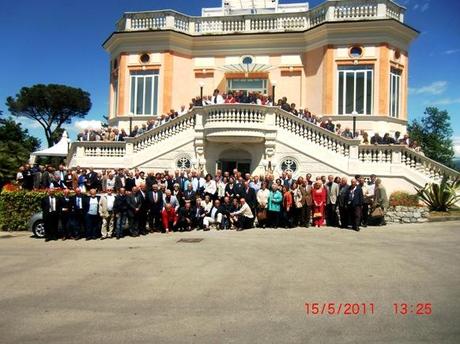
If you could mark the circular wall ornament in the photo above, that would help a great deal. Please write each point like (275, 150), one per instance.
(145, 58)
(247, 60)
(183, 163)
(356, 52)
(289, 165)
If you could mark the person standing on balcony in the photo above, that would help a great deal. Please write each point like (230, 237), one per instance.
(216, 98)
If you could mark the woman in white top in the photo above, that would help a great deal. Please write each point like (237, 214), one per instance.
(221, 184)
(210, 186)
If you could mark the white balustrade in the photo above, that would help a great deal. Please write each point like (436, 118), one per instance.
(344, 10)
(313, 133)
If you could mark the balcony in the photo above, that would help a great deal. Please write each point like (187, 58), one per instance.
(330, 11)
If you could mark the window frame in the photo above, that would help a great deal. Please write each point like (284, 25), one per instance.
(368, 94)
(133, 91)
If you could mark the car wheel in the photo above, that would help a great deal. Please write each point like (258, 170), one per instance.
(39, 229)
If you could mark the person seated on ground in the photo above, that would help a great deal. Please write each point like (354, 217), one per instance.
(225, 209)
(244, 218)
(185, 217)
(198, 214)
(376, 139)
(213, 216)
(169, 218)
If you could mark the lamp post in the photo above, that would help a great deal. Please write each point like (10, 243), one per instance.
(354, 113)
(201, 92)
(273, 91)
(130, 124)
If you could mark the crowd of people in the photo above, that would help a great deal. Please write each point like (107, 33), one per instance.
(233, 97)
(113, 203)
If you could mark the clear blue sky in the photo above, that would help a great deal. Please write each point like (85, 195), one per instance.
(59, 41)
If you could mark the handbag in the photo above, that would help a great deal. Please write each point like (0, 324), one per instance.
(262, 215)
(377, 212)
(317, 215)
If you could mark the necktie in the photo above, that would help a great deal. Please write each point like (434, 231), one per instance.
(215, 100)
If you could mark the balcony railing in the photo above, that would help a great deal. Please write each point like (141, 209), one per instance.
(262, 121)
(330, 11)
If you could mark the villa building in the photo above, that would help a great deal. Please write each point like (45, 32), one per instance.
(344, 59)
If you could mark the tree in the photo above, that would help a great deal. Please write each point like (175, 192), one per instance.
(51, 106)
(15, 147)
(434, 134)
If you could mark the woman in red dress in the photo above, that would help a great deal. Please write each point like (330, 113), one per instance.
(319, 200)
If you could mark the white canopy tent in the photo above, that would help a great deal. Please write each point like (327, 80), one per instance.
(59, 149)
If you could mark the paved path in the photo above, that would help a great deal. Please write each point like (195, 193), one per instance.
(233, 287)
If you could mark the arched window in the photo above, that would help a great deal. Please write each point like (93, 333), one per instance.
(183, 163)
(288, 165)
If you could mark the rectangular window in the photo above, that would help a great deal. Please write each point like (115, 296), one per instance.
(355, 90)
(247, 85)
(144, 93)
(115, 96)
(395, 92)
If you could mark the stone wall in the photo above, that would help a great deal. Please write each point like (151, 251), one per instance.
(401, 214)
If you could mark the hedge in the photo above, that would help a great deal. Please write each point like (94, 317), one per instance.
(404, 199)
(16, 208)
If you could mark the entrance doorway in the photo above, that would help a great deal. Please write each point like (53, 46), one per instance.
(243, 166)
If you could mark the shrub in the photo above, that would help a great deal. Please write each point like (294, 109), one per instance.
(404, 199)
(440, 197)
(16, 208)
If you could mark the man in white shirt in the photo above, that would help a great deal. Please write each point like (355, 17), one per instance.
(216, 98)
(92, 216)
(213, 216)
(245, 216)
(106, 213)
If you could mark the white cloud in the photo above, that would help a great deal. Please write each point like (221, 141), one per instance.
(28, 123)
(446, 101)
(85, 124)
(451, 51)
(456, 142)
(436, 87)
(425, 6)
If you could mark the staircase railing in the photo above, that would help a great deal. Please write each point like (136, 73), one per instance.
(313, 133)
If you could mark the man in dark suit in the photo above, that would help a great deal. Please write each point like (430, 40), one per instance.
(92, 180)
(143, 211)
(155, 201)
(78, 214)
(190, 195)
(92, 219)
(342, 202)
(134, 207)
(65, 211)
(249, 194)
(50, 210)
(355, 203)
(185, 221)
